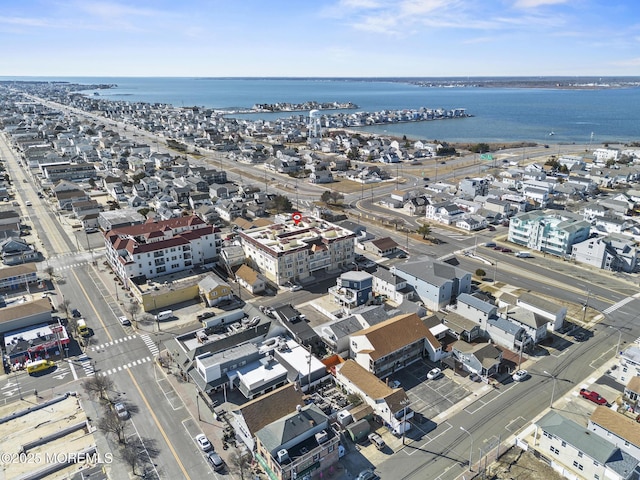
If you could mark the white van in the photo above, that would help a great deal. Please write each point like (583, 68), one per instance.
(165, 315)
(523, 255)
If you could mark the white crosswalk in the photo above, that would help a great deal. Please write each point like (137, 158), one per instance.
(616, 306)
(102, 346)
(125, 367)
(85, 362)
(153, 348)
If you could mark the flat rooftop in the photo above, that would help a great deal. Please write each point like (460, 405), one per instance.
(29, 433)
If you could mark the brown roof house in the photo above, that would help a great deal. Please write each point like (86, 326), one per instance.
(382, 247)
(393, 344)
(390, 404)
(622, 431)
(250, 279)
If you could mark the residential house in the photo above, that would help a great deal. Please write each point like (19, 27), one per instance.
(629, 363)
(483, 359)
(569, 448)
(256, 414)
(392, 286)
(66, 198)
(299, 445)
(552, 312)
(613, 253)
(213, 290)
(382, 247)
(393, 344)
(437, 284)
(248, 278)
(616, 428)
(352, 289)
(391, 406)
(15, 251)
(631, 396)
(446, 212)
(17, 277)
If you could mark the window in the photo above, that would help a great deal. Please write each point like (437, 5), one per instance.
(564, 444)
(316, 457)
(554, 450)
(596, 476)
(580, 454)
(596, 464)
(331, 448)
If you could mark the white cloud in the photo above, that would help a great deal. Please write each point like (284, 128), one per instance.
(537, 3)
(630, 62)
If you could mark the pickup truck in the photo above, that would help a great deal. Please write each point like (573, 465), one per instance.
(593, 396)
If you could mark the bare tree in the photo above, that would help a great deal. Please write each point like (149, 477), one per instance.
(64, 305)
(98, 385)
(133, 308)
(240, 463)
(110, 423)
(49, 271)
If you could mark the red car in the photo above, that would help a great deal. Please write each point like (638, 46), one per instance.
(506, 250)
(593, 396)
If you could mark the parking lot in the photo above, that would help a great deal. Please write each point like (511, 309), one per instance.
(429, 397)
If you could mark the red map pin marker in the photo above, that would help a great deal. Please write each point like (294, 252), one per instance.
(296, 217)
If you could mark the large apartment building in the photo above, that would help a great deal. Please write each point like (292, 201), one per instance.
(548, 232)
(293, 251)
(153, 249)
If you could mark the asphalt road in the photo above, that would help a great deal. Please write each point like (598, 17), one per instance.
(444, 452)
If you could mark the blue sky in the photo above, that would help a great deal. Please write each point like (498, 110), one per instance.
(323, 38)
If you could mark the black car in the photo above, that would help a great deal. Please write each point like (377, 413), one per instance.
(75, 313)
(581, 336)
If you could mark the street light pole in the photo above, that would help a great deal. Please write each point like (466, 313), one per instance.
(404, 419)
(471, 449)
(553, 389)
(619, 339)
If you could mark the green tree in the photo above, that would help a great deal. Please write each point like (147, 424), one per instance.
(325, 197)
(424, 230)
(353, 153)
(280, 204)
(336, 197)
(480, 273)
(479, 148)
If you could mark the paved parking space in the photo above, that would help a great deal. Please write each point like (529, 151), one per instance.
(429, 397)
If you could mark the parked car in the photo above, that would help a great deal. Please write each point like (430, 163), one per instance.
(434, 373)
(506, 250)
(403, 255)
(376, 440)
(593, 396)
(205, 315)
(91, 230)
(75, 313)
(490, 244)
(124, 320)
(581, 336)
(28, 203)
(121, 410)
(216, 462)
(394, 384)
(203, 442)
(520, 376)
(492, 228)
(498, 248)
(366, 475)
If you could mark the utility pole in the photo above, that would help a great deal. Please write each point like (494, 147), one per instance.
(586, 305)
